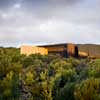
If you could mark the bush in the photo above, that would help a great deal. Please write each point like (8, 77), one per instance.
(88, 90)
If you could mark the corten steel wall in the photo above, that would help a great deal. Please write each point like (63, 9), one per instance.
(57, 49)
(28, 50)
(72, 50)
(65, 50)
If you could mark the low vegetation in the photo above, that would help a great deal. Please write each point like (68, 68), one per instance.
(51, 77)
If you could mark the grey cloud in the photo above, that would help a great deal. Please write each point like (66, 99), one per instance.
(69, 21)
(67, 2)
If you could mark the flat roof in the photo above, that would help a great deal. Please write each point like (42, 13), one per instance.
(51, 45)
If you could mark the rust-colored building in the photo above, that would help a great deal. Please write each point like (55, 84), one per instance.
(65, 50)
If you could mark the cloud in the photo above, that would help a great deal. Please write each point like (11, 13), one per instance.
(16, 6)
(67, 2)
(55, 21)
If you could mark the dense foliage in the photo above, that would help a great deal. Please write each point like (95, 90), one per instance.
(51, 77)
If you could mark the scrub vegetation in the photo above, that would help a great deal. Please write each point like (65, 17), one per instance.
(50, 77)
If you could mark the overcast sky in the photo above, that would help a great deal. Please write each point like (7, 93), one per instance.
(49, 21)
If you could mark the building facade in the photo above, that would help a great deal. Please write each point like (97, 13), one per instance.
(28, 50)
(65, 50)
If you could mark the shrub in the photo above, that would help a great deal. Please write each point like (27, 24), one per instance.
(88, 90)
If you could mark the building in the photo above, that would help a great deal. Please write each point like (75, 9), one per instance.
(65, 50)
(28, 50)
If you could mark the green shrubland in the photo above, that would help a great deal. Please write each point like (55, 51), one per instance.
(49, 77)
